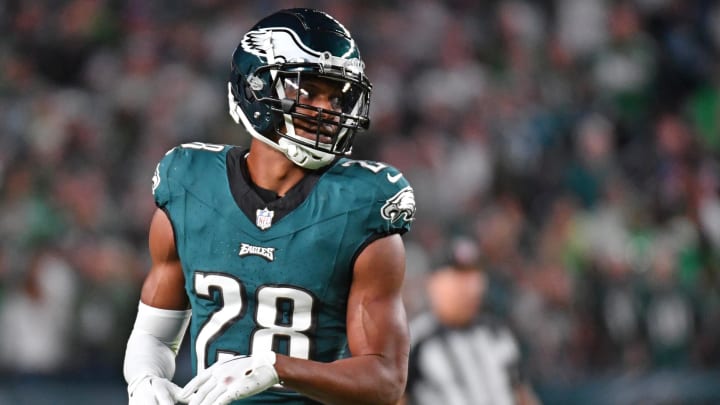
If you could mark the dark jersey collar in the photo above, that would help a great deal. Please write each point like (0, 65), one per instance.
(250, 198)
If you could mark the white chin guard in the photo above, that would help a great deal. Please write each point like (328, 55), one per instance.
(304, 156)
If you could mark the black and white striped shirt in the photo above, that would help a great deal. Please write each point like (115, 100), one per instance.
(477, 365)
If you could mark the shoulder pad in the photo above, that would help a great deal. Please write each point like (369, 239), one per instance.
(391, 198)
(176, 164)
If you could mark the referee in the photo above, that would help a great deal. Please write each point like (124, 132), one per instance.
(459, 355)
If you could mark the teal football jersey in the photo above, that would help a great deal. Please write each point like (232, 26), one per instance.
(273, 276)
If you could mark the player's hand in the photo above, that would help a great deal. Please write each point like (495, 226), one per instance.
(152, 390)
(235, 378)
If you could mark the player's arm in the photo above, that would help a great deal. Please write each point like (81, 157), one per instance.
(377, 335)
(160, 324)
(164, 286)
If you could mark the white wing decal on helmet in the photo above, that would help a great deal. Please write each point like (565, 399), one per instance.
(278, 44)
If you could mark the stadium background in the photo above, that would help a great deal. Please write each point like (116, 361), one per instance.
(575, 142)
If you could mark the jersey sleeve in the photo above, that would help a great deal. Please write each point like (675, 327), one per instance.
(180, 166)
(393, 208)
(161, 180)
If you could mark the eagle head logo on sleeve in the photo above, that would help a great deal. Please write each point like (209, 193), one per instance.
(156, 178)
(401, 205)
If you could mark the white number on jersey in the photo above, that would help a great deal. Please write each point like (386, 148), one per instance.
(203, 146)
(374, 167)
(267, 320)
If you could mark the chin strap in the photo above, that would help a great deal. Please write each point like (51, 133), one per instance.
(304, 156)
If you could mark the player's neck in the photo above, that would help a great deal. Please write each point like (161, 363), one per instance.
(271, 170)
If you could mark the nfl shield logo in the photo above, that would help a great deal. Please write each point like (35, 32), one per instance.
(263, 218)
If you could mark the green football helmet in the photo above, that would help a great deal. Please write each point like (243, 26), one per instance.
(274, 70)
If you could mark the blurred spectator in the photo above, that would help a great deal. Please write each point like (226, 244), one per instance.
(624, 68)
(40, 308)
(594, 163)
(670, 312)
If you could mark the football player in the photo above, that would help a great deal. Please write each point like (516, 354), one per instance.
(285, 258)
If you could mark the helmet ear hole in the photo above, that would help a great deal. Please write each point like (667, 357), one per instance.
(249, 95)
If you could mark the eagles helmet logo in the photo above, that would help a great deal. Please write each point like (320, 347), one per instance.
(401, 205)
(277, 45)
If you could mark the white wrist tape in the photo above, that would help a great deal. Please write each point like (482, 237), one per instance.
(154, 342)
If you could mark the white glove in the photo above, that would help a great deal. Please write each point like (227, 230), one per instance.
(235, 378)
(153, 390)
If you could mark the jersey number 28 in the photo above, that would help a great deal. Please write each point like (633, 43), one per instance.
(269, 324)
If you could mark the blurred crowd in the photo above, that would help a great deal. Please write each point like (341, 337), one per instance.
(575, 142)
